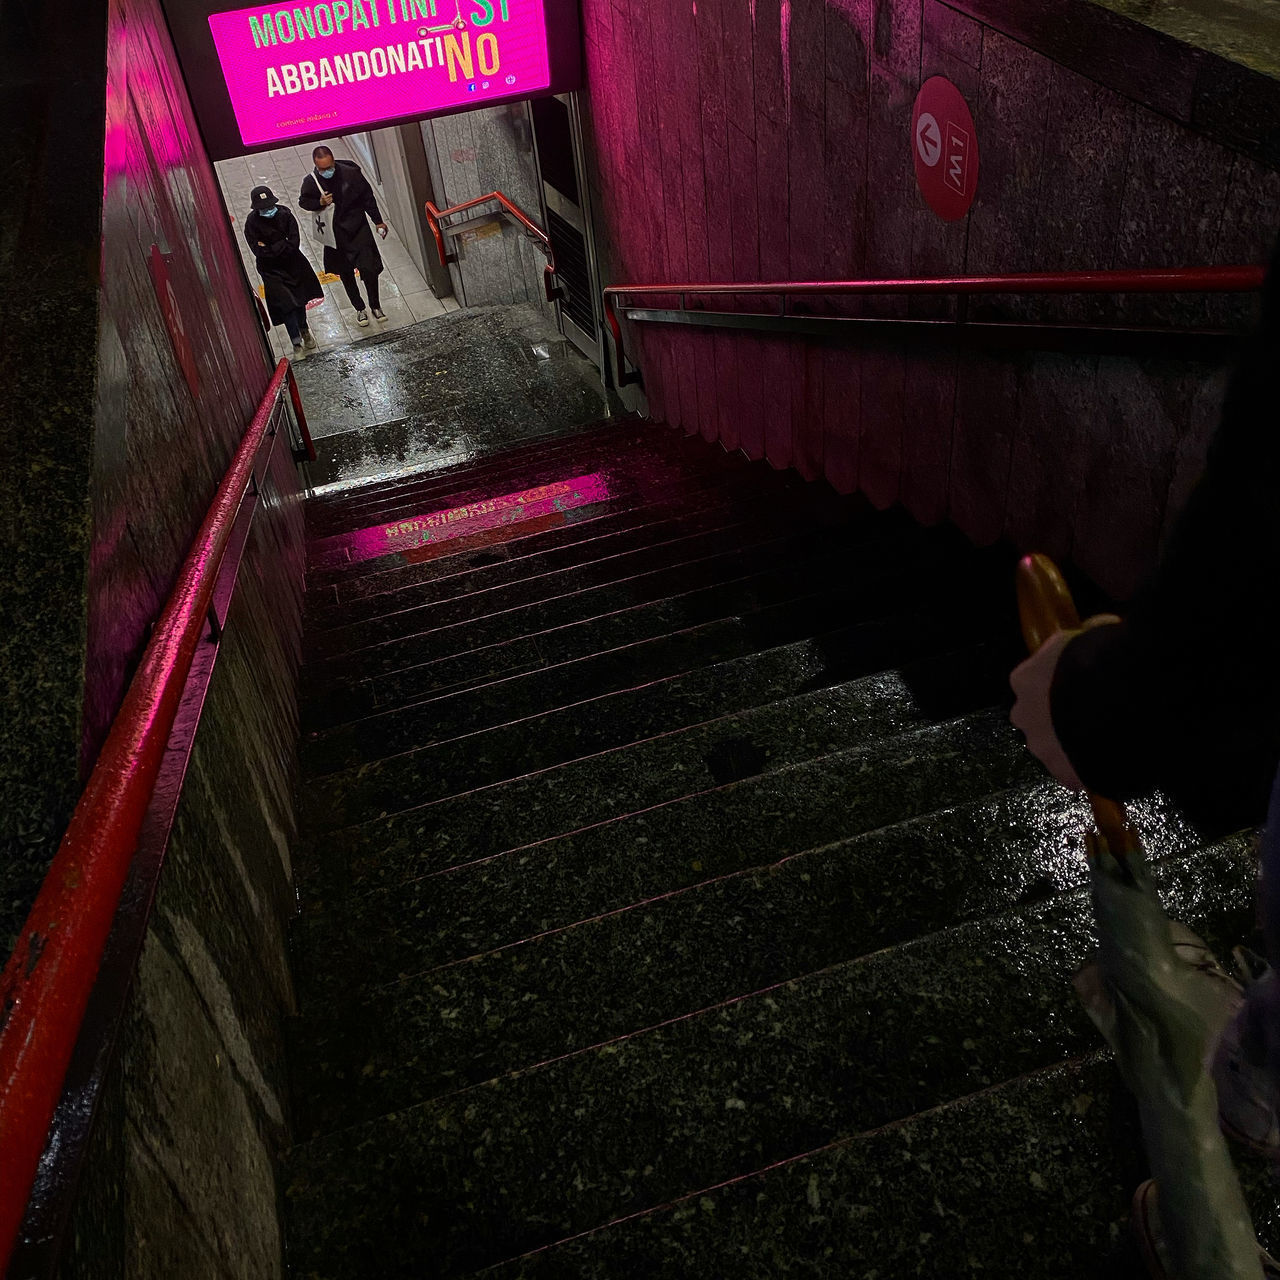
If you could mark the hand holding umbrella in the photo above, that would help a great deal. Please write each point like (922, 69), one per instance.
(1149, 1005)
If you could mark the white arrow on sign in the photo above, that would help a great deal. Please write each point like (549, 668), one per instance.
(928, 139)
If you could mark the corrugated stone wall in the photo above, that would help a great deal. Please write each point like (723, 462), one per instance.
(771, 140)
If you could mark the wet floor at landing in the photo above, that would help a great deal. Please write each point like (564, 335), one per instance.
(442, 392)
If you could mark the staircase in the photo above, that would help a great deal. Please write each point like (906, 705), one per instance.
(676, 898)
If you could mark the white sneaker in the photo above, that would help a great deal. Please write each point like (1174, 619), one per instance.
(362, 319)
(299, 351)
(378, 314)
(308, 340)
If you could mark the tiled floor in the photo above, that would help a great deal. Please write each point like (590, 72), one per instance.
(405, 297)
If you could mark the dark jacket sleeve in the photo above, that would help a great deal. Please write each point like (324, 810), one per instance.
(274, 242)
(290, 228)
(309, 196)
(1186, 694)
(363, 189)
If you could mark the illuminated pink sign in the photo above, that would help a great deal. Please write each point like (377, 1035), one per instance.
(456, 522)
(323, 69)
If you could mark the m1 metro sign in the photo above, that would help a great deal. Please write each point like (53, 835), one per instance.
(263, 76)
(944, 148)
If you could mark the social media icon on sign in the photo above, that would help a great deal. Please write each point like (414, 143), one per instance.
(471, 88)
(485, 85)
(511, 79)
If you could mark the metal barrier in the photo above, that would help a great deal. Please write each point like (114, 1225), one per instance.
(1230, 279)
(505, 209)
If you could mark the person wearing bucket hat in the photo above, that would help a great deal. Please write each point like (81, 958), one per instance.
(288, 280)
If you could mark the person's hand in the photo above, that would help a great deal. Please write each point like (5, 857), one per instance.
(1031, 682)
(326, 199)
(382, 230)
(262, 244)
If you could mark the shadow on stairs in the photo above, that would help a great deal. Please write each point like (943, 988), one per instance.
(677, 900)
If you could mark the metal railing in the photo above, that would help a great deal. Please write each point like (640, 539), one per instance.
(49, 981)
(505, 209)
(1229, 279)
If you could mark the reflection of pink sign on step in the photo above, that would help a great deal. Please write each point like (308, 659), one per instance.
(323, 69)
(488, 513)
(945, 149)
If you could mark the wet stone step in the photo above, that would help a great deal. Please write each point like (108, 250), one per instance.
(534, 723)
(736, 1087)
(324, 510)
(642, 532)
(490, 740)
(692, 623)
(694, 754)
(519, 810)
(956, 1182)
(743, 824)
(623, 464)
(804, 558)
(621, 435)
(529, 538)
(436, 630)
(418, 610)
(362, 538)
(752, 927)
(974, 596)
(1033, 1178)
(867, 646)
(632, 491)
(1030, 1180)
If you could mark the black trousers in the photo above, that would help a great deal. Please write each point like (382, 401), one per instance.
(348, 278)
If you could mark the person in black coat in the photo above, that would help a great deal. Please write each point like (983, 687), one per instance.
(340, 185)
(1184, 694)
(288, 280)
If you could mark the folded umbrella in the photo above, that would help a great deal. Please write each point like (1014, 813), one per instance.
(1157, 1013)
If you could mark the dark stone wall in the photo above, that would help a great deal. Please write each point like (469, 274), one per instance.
(52, 94)
(133, 363)
(772, 141)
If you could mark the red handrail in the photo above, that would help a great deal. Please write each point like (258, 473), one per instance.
(1231, 279)
(531, 228)
(46, 984)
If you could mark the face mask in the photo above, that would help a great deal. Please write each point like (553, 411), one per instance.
(328, 173)
(269, 213)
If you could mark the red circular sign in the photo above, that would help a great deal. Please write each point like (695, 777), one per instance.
(944, 145)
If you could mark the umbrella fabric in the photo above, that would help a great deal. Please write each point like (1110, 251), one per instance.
(1161, 1018)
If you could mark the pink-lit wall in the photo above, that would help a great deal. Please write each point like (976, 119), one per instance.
(132, 363)
(770, 139)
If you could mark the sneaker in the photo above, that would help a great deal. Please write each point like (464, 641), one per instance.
(379, 314)
(308, 340)
(1146, 1226)
(299, 351)
(1248, 1093)
(362, 319)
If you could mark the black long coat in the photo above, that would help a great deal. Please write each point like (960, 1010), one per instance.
(288, 279)
(353, 203)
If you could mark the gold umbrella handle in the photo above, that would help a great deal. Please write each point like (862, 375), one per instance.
(1045, 606)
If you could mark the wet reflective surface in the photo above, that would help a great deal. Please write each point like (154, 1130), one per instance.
(440, 393)
(686, 852)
